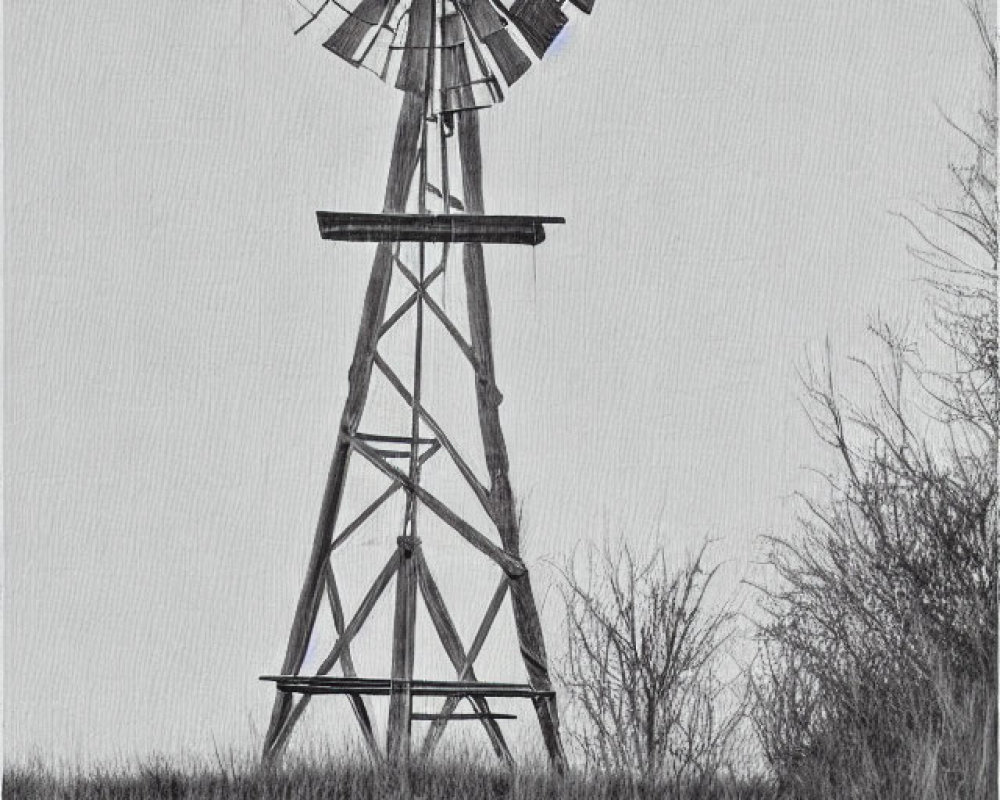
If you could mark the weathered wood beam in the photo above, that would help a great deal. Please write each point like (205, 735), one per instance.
(392, 439)
(392, 453)
(404, 623)
(350, 226)
(398, 314)
(382, 686)
(400, 700)
(347, 662)
(526, 618)
(435, 273)
(422, 717)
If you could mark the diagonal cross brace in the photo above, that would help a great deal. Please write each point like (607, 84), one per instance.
(470, 477)
(420, 290)
(407, 304)
(464, 669)
(378, 501)
(452, 644)
(277, 744)
(511, 565)
(347, 662)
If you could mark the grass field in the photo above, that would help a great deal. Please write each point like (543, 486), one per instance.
(346, 777)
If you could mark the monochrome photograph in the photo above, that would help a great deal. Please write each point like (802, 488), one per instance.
(523, 399)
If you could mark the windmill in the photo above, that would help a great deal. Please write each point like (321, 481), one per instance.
(450, 58)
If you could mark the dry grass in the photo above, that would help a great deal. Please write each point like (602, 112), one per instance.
(344, 777)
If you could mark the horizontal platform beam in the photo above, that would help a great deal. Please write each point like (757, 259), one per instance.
(480, 228)
(392, 453)
(323, 684)
(379, 437)
(418, 716)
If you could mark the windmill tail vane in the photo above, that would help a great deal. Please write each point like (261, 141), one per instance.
(391, 38)
(442, 54)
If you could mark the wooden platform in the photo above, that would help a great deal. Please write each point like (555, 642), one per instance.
(480, 228)
(322, 684)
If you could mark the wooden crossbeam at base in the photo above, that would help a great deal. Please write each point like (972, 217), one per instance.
(325, 684)
(418, 716)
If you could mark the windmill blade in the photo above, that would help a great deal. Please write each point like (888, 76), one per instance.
(482, 16)
(346, 28)
(539, 21)
(310, 16)
(510, 58)
(383, 54)
(486, 25)
(347, 38)
(460, 91)
(380, 52)
(420, 26)
(454, 66)
(392, 39)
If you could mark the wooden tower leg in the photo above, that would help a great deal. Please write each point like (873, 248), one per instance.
(488, 398)
(403, 165)
(400, 699)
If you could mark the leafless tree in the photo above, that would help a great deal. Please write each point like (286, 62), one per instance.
(641, 668)
(878, 663)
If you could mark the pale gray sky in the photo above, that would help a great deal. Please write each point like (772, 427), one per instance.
(177, 335)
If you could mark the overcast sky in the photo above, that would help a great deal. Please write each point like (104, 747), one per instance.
(177, 336)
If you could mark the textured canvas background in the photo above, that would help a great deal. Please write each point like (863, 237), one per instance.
(177, 336)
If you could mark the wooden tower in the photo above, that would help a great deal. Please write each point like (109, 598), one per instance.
(442, 55)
